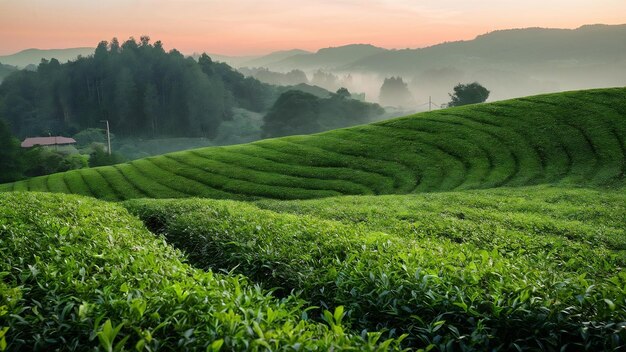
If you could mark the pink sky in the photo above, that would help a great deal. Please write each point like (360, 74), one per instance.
(240, 27)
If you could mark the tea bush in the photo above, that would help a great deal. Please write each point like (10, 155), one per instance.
(532, 269)
(81, 274)
(571, 138)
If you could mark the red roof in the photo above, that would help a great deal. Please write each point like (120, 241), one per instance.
(56, 140)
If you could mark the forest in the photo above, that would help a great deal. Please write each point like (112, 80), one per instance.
(141, 89)
(155, 102)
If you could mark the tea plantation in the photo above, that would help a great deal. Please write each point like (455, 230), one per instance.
(493, 227)
(534, 268)
(574, 138)
(79, 274)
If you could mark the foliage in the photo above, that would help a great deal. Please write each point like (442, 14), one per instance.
(394, 92)
(92, 135)
(101, 157)
(137, 86)
(294, 112)
(471, 93)
(80, 274)
(5, 70)
(509, 268)
(40, 161)
(74, 162)
(136, 148)
(17, 162)
(529, 269)
(297, 112)
(244, 127)
(11, 166)
(325, 80)
(343, 92)
(247, 92)
(315, 90)
(573, 138)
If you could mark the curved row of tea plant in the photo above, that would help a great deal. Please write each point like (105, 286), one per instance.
(81, 274)
(572, 138)
(534, 268)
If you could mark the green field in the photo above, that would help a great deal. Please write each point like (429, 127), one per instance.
(574, 138)
(493, 227)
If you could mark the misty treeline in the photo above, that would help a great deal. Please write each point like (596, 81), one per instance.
(320, 78)
(297, 112)
(137, 86)
(394, 92)
(5, 70)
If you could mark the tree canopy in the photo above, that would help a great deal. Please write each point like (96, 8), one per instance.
(142, 90)
(471, 93)
(297, 112)
(395, 92)
(10, 157)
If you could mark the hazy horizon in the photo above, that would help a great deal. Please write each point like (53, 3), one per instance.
(252, 28)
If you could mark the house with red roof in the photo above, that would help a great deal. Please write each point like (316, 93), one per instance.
(58, 143)
(47, 141)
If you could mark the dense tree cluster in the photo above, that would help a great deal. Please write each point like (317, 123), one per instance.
(297, 112)
(142, 90)
(394, 92)
(5, 70)
(17, 163)
(471, 93)
(10, 160)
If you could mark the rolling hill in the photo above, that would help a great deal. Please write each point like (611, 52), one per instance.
(524, 250)
(271, 58)
(326, 58)
(529, 48)
(573, 138)
(34, 56)
(511, 63)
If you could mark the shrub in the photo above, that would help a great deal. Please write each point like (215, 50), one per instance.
(466, 278)
(80, 274)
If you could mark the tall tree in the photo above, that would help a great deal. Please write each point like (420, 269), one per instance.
(294, 112)
(471, 93)
(125, 101)
(151, 107)
(394, 92)
(141, 89)
(11, 167)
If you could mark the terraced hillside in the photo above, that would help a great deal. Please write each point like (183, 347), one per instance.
(573, 138)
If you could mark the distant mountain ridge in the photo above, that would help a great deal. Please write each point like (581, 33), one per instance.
(511, 63)
(273, 57)
(586, 44)
(5, 70)
(327, 58)
(34, 56)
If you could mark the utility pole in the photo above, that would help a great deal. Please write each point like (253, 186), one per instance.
(108, 135)
(430, 103)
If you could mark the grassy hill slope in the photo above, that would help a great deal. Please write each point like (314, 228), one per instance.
(34, 56)
(572, 138)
